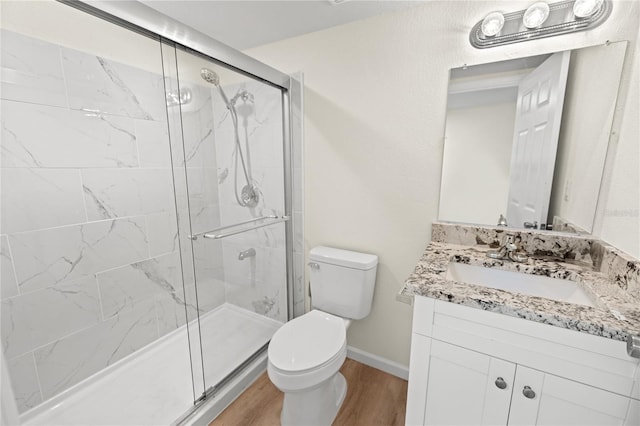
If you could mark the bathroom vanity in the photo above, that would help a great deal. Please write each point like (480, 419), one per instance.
(548, 353)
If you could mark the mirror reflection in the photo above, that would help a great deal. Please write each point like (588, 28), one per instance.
(526, 139)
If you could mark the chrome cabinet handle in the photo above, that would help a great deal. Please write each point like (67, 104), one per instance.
(500, 383)
(313, 265)
(528, 392)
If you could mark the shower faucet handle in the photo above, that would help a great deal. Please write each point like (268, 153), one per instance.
(247, 253)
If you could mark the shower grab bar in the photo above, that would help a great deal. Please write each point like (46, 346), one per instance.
(222, 228)
(277, 219)
(210, 234)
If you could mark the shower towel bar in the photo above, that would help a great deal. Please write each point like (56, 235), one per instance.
(273, 219)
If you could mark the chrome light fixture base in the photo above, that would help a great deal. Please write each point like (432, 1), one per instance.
(561, 20)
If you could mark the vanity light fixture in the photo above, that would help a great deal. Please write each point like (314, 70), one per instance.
(492, 24)
(586, 8)
(539, 20)
(535, 15)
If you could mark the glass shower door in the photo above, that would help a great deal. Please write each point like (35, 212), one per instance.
(229, 167)
(92, 293)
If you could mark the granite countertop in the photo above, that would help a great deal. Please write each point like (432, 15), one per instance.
(616, 315)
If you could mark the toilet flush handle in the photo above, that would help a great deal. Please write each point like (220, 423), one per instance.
(314, 265)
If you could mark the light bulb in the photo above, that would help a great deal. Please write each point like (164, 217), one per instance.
(586, 8)
(492, 24)
(535, 15)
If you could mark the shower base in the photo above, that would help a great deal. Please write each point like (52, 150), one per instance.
(153, 386)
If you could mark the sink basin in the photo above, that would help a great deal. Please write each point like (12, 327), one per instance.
(532, 285)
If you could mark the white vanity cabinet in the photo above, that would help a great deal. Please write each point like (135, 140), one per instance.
(471, 367)
(465, 392)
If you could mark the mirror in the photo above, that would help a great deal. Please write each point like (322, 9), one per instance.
(499, 161)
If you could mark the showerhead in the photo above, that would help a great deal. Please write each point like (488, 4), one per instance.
(210, 76)
(213, 78)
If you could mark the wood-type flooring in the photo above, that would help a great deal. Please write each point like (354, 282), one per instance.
(373, 398)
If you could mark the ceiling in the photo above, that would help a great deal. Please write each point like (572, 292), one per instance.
(245, 24)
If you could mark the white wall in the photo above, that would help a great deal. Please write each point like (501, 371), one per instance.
(375, 106)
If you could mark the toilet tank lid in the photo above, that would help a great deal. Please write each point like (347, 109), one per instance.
(340, 257)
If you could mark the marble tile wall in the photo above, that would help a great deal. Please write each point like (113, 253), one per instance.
(91, 266)
(88, 237)
(257, 283)
(196, 175)
(300, 290)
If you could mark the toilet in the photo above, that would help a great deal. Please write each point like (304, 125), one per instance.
(305, 354)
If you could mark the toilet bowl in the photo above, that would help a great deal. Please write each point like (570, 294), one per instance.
(305, 354)
(307, 351)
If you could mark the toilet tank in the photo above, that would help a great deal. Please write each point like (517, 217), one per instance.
(342, 281)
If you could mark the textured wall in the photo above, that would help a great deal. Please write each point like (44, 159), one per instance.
(375, 104)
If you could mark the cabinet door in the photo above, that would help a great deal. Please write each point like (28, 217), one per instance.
(545, 399)
(418, 372)
(633, 415)
(466, 388)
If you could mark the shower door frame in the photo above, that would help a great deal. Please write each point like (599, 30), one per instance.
(138, 16)
(147, 21)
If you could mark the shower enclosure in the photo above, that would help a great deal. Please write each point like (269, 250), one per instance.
(151, 228)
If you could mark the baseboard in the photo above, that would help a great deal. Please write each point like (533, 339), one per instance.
(375, 361)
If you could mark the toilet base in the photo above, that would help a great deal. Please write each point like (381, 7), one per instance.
(316, 406)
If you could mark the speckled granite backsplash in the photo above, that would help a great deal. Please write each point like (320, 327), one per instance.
(610, 278)
(537, 243)
(621, 268)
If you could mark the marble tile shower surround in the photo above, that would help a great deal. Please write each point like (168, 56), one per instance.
(90, 270)
(606, 273)
(254, 283)
(96, 275)
(297, 138)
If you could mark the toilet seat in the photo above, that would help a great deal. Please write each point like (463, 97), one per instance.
(307, 342)
(307, 351)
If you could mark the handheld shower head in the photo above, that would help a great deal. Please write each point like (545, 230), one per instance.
(249, 196)
(210, 76)
(213, 78)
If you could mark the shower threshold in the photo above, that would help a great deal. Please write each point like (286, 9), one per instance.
(153, 386)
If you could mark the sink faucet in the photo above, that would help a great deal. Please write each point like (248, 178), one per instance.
(509, 250)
